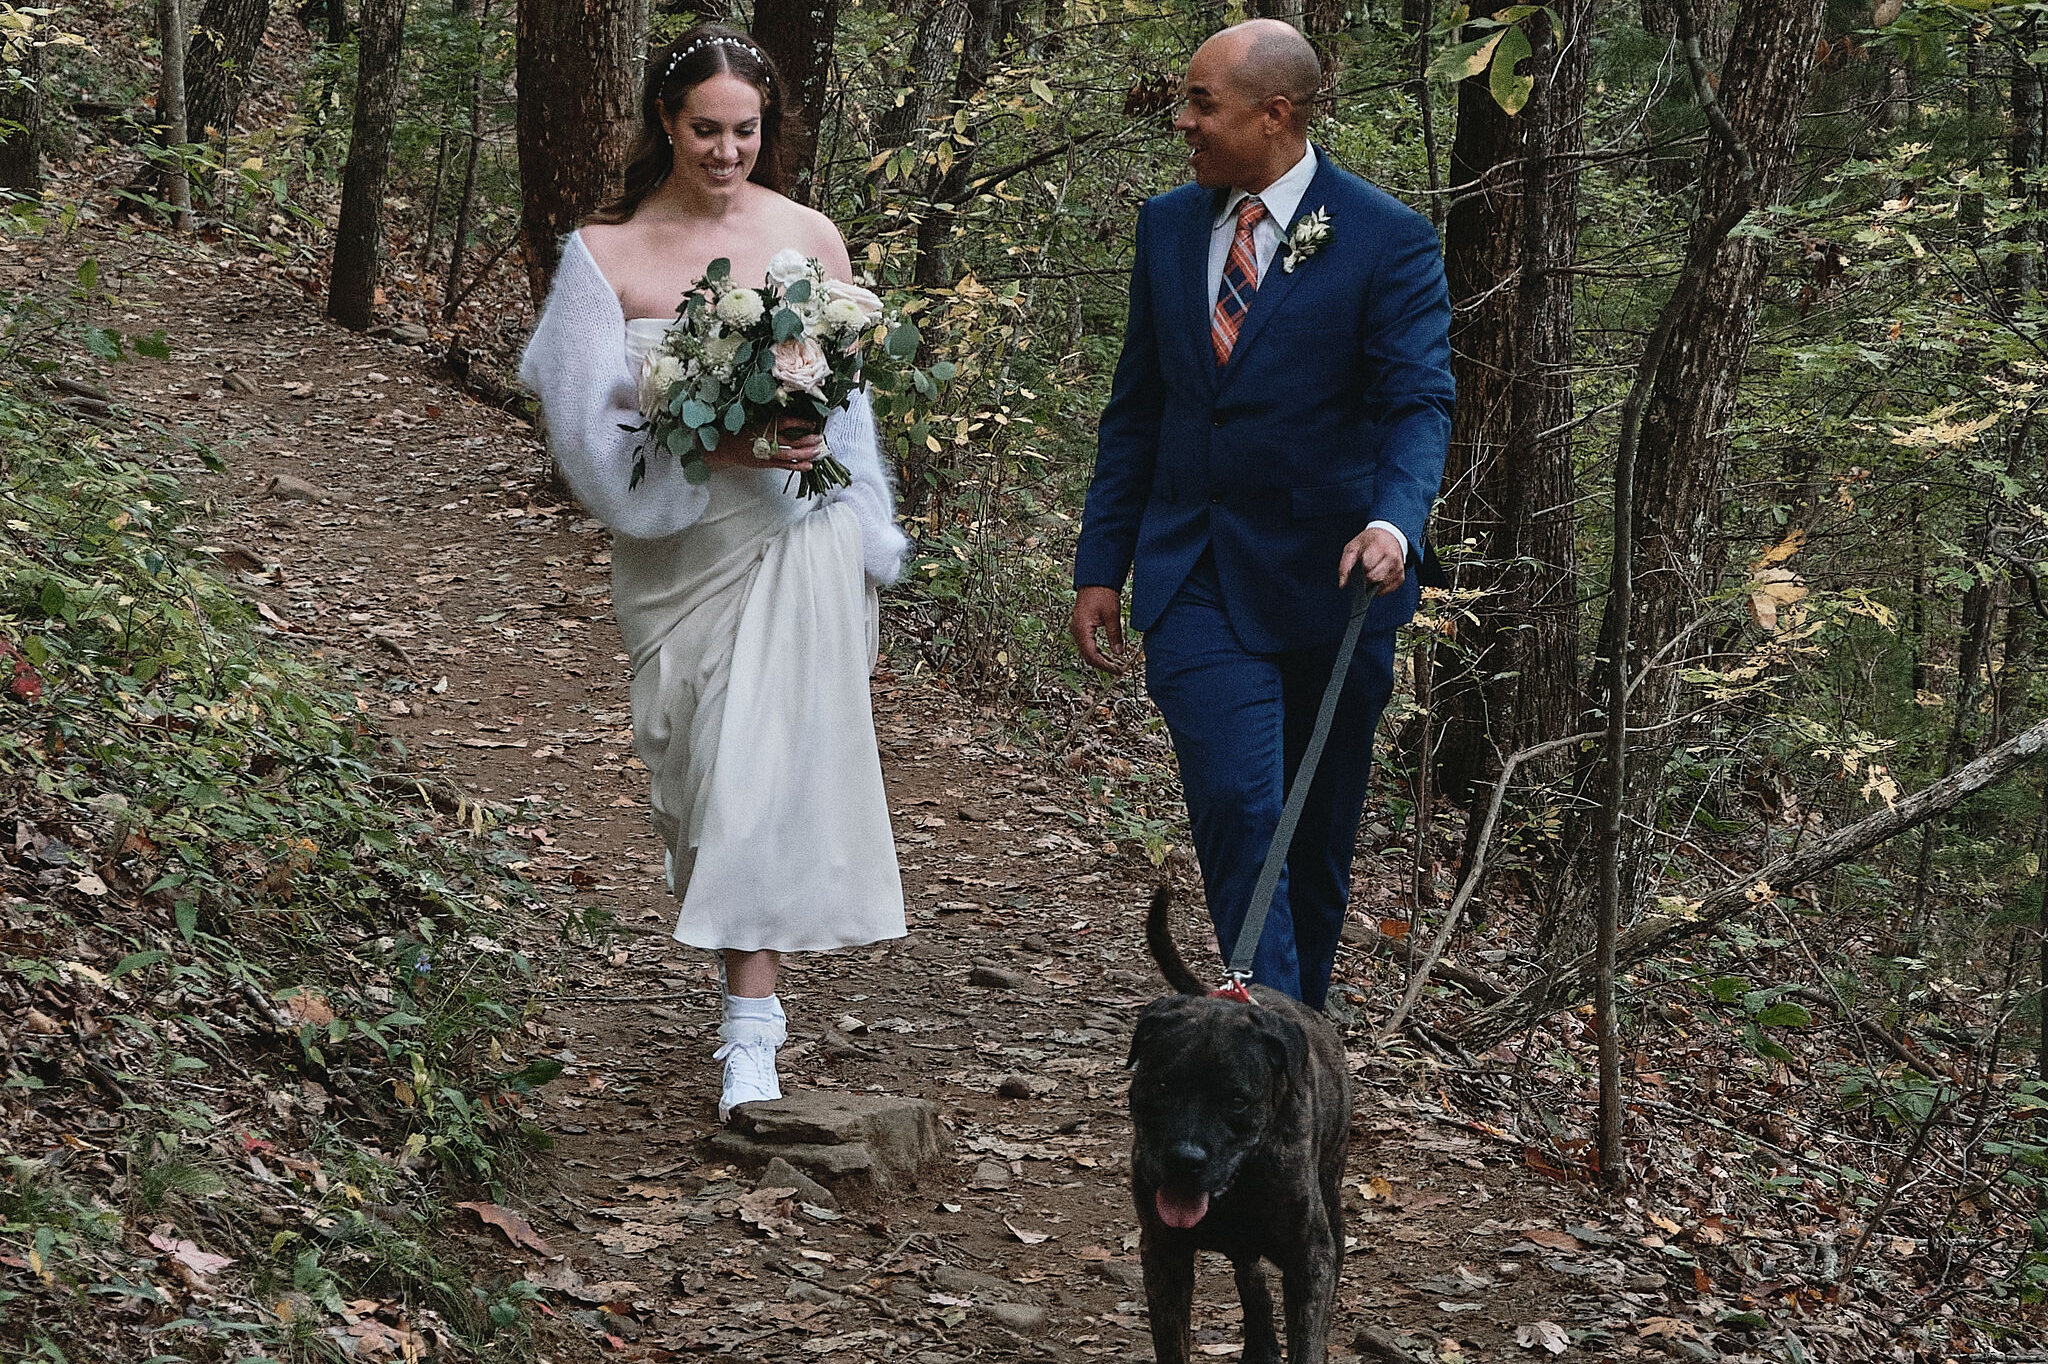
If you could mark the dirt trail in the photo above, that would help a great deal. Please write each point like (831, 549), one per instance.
(436, 559)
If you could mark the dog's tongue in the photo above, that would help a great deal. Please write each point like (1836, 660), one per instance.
(1180, 1210)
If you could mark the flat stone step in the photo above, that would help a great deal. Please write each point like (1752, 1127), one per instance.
(878, 1140)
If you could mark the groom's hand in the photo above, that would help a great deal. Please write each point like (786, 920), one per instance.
(1098, 608)
(1378, 556)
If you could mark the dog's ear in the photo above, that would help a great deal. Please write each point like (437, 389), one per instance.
(1286, 1042)
(1153, 1025)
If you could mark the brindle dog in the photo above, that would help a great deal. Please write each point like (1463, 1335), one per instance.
(1242, 1114)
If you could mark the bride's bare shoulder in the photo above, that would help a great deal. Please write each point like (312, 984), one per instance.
(820, 238)
(609, 244)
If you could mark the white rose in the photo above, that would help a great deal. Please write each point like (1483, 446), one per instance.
(658, 376)
(839, 291)
(801, 363)
(740, 307)
(791, 265)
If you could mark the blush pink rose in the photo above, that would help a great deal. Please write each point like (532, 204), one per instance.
(801, 363)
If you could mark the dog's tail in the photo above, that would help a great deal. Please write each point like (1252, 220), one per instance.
(1159, 937)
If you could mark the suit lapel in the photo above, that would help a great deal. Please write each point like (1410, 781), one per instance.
(1279, 282)
(1194, 259)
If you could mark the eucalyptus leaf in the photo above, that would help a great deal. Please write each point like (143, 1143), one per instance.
(787, 325)
(903, 341)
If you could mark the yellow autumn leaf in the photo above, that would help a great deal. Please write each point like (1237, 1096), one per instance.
(1783, 550)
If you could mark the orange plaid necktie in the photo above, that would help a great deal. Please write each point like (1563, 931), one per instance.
(1240, 281)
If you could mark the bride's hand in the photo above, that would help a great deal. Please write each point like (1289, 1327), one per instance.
(800, 444)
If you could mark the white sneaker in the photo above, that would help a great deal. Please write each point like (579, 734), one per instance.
(749, 1056)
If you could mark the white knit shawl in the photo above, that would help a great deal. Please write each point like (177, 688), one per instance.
(589, 395)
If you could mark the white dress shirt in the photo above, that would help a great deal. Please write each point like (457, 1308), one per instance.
(1281, 199)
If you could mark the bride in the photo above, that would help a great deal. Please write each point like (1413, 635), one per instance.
(748, 611)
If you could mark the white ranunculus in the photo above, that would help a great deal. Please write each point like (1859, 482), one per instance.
(839, 291)
(658, 376)
(801, 363)
(791, 265)
(740, 307)
(843, 315)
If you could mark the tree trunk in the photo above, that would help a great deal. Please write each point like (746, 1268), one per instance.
(465, 211)
(1511, 237)
(170, 106)
(1288, 11)
(1685, 437)
(2023, 161)
(21, 123)
(223, 47)
(798, 34)
(934, 269)
(430, 219)
(579, 82)
(1326, 16)
(942, 26)
(352, 289)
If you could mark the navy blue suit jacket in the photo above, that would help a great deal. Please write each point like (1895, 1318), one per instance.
(1334, 411)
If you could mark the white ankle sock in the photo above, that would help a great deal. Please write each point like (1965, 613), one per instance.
(766, 1009)
(756, 1019)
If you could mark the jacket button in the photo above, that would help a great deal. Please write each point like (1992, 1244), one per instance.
(1215, 421)
(1215, 497)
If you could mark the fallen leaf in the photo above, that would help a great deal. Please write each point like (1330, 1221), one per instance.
(1547, 1334)
(517, 1229)
(1551, 1240)
(768, 1210)
(199, 1261)
(1667, 1327)
(1029, 1238)
(308, 1007)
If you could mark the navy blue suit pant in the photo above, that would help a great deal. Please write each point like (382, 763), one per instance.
(1240, 722)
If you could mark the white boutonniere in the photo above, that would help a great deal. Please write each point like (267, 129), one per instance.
(1311, 234)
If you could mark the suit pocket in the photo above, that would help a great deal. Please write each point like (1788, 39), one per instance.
(1352, 497)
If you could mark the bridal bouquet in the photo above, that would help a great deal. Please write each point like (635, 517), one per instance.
(794, 347)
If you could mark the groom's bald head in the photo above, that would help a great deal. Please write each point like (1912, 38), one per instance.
(1264, 58)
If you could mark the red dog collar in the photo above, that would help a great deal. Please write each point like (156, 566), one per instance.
(1233, 989)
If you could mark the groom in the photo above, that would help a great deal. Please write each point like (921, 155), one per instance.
(1277, 426)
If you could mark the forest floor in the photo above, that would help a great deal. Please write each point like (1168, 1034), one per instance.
(427, 561)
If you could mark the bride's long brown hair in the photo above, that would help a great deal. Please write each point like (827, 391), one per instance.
(705, 51)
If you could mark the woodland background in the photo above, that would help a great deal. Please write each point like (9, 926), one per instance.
(1765, 276)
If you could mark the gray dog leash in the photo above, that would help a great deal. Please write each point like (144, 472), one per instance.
(1297, 797)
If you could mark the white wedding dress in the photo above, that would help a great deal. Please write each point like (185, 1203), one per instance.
(752, 633)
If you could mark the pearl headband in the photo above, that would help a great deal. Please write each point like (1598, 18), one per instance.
(715, 40)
